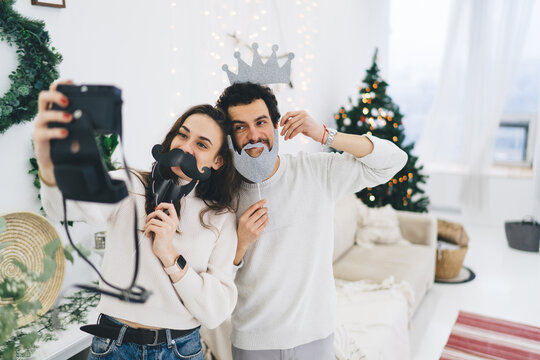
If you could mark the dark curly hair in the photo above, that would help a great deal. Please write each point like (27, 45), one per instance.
(220, 190)
(245, 93)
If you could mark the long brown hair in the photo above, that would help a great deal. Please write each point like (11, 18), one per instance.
(219, 191)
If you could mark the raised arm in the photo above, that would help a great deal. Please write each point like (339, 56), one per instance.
(51, 197)
(300, 122)
(43, 135)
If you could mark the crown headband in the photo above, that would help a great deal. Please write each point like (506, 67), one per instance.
(259, 72)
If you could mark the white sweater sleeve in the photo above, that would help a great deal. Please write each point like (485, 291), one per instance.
(89, 212)
(211, 296)
(344, 174)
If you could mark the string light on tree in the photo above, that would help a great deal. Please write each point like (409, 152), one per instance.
(377, 115)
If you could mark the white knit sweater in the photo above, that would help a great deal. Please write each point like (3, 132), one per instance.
(286, 293)
(205, 295)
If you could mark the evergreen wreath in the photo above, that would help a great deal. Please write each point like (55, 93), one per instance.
(37, 67)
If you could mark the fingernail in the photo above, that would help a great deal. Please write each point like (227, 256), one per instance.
(155, 208)
(63, 132)
(64, 101)
(66, 115)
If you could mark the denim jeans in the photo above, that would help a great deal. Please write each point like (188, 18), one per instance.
(185, 347)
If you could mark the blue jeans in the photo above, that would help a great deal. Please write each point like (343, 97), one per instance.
(185, 347)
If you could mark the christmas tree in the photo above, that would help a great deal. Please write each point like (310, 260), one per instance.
(376, 114)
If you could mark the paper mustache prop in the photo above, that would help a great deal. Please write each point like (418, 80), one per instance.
(163, 185)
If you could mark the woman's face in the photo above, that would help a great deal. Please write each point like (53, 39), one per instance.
(201, 137)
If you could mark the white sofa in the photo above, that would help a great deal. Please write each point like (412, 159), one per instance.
(377, 320)
(413, 263)
(373, 312)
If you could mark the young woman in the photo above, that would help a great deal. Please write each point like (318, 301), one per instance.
(201, 229)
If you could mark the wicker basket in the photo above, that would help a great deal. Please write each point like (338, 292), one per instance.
(449, 262)
(452, 232)
(27, 233)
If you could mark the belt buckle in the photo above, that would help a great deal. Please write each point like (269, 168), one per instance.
(156, 337)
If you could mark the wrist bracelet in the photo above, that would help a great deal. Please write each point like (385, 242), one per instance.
(330, 138)
(324, 133)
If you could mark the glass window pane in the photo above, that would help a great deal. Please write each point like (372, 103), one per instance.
(511, 143)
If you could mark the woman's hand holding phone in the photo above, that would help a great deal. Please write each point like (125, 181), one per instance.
(161, 225)
(43, 135)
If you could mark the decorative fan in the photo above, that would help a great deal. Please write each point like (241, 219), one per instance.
(27, 234)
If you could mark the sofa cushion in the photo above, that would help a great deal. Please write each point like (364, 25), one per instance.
(411, 263)
(345, 220)
(377, 225)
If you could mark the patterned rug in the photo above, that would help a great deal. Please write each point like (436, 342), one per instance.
(480, 337)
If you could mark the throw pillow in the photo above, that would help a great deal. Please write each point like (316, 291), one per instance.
(377, 226)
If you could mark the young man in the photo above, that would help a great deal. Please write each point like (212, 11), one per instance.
(286, 293)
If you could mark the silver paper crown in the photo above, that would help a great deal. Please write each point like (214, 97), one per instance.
(259, 73)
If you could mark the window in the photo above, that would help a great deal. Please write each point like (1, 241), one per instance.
(514, 140)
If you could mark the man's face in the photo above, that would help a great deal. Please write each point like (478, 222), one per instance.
(252, 125)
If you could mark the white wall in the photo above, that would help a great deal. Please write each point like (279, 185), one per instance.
(129, 44)
(509, 197)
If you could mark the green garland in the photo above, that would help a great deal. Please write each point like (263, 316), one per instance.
(37, 65)
(46, 328)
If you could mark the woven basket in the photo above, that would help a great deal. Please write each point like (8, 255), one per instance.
(452, 232)
(449, 262)
(28, 233)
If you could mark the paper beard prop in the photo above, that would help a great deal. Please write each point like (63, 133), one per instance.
(163, 186)
(259, 168)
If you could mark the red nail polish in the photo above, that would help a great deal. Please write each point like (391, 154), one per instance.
(66, 115)
(155, 208)
(64, 101)
(64, 132)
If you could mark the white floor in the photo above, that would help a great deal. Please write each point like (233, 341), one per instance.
(507, 286)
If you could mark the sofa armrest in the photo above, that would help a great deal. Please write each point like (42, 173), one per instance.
(418, 228)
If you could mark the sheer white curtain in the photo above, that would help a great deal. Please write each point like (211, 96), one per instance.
(483, 46)
(536, 169)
